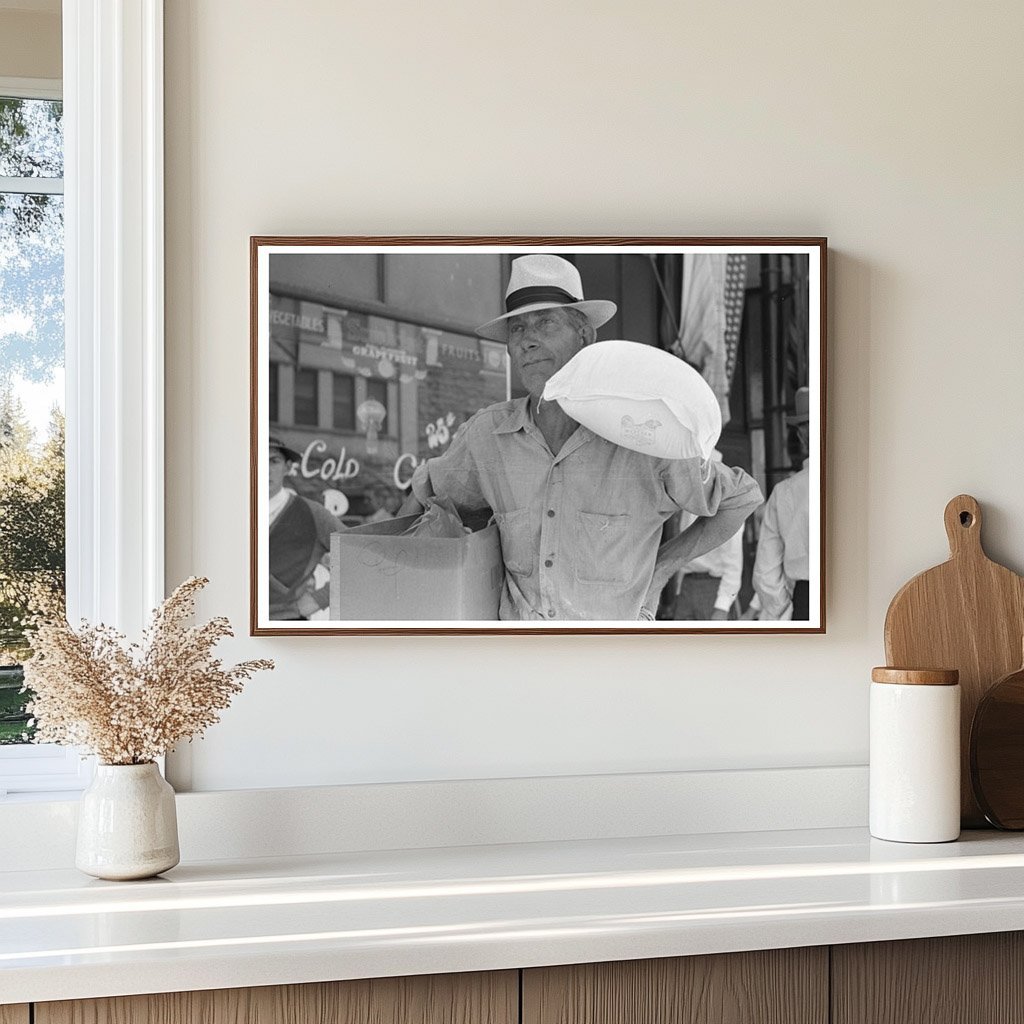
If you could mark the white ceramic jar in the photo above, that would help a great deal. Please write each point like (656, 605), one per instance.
(915, 755)
(127, 823)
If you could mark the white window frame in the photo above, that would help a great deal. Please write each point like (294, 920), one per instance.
(32, 88)
(114, 336)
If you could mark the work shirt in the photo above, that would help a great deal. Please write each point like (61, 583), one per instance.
(580, 530)
(782, 548)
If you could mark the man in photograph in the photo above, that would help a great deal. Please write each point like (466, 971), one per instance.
(300, 537)
(386, 502)
(782, 564)
(580, 518)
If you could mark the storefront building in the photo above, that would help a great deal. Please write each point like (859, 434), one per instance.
(374, 366)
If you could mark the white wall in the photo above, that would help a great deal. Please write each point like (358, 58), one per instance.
(894, 129)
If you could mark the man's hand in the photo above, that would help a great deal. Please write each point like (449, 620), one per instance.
(307, 604)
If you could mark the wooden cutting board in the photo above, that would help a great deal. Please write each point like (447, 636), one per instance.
(967, 614)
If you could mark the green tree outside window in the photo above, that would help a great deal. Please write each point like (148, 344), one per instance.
(31, 357)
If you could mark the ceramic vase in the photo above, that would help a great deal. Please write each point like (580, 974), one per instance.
(127, 825)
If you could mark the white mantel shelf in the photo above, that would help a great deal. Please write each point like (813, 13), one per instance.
(225, 924)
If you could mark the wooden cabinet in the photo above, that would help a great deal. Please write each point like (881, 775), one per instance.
(972, 979)
(778, 986)
(491, 998)
(966, 979)
(963, 979)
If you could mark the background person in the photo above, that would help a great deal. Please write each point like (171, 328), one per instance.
(300, 538)
(782, 564)
(710, 583)
(386, 502)
(580, 518)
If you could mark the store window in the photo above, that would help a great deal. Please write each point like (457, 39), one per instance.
(32, 534)
(307, 404)
(344, 402)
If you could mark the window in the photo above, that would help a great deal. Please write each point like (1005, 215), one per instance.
(32, 536)
(344, 402)
(113, 340)
(273, 412)
(307, 405)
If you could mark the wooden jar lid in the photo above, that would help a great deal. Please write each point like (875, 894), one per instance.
(918, 676)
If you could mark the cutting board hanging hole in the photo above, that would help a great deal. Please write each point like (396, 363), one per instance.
(963, 525)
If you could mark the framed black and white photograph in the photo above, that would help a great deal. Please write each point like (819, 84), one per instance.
(537, 435)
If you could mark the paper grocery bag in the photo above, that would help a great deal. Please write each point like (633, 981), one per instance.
(379, 572)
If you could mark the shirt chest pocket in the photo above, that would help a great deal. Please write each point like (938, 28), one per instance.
(604, 547)
(518, 546)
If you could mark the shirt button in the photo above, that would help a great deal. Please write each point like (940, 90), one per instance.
(551, 513)
(548, 564)
(551, 613)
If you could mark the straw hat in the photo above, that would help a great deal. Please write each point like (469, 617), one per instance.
(545, 281)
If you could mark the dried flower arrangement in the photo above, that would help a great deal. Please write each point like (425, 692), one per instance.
(129, 704)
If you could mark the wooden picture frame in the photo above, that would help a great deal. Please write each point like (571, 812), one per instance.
(365, 362)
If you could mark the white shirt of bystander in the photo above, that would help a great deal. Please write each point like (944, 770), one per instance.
(783, 546)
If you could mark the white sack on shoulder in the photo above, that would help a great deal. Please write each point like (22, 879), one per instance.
(639, 397)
